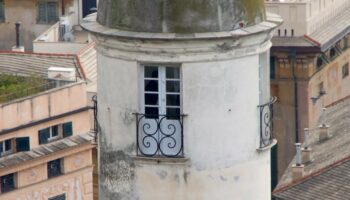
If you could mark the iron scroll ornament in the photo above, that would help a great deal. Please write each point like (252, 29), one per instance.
(266, 123)
(159, 135)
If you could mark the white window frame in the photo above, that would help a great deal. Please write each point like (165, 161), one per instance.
(3, 147)
(162, 93)
(51, 136)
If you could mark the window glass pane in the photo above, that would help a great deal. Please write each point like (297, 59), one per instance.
(151, 112)
(42, 12)
(173, 113)
(172, 72)
(54, 168)
(7, 145)
(52, 12)
(2, 14)
(151, 99)
(173, 86)
(54, 131)
(172, 100)
(151, 85)
(151, 72)
(7, 183)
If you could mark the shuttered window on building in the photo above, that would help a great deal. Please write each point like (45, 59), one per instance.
(67, 129)
(22, 144)
(47, 12)
(2, 11)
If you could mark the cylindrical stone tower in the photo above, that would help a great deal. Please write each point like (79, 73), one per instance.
(183, 99)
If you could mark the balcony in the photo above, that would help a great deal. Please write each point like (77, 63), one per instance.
(266, 125)
(159, 135)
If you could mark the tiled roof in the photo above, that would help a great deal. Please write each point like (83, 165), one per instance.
(46, 149)
(334, 30)
(332, 184)
(25, 64)
(291, 42)
(328, 152)
(87, 57)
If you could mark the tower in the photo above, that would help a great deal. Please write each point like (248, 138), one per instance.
(179, 88)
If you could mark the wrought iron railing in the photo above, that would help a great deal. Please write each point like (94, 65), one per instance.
(266, 123)
(159, 135)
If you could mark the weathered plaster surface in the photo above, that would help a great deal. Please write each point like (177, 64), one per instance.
(180, 16)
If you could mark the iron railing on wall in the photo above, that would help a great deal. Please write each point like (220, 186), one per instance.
(266, 123)
(159, 135)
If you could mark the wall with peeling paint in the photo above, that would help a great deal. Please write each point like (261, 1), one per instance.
(221, 132)
(220, 94)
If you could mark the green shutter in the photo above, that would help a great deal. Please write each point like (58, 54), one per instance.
(2, 11)
(52, 15)
(42, 18)
(67, 129)
(22, 144)
(44, 134)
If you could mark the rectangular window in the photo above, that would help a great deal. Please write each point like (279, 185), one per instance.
(8, 183)
(2, 11)
(345, 70)
(5, 147)
(161, 91)
(58, 197)
(160, 121)
(55, 132)
(54, 168)
(47, 12)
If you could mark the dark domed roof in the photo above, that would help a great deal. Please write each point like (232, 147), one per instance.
(179, 16)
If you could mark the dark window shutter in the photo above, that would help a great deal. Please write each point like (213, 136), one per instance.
(22, 144)
(2, 11)
(42, 12)
(44, 134)
(52, 15)
(1, 148)
(67, 129)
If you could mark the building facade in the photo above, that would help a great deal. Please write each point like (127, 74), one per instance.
(36, 16)
(312, 39)
(47, 146)
(179, 90)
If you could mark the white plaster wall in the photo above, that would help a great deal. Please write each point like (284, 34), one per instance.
(221, 132)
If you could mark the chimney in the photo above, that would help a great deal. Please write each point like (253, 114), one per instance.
(18, 47)
(306, 156)
(298, 167)
(324, 133)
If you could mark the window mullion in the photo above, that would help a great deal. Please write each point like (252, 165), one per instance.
(162, 91)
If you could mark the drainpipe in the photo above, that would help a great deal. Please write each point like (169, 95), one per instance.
(18, 24)
(63, 12)
(18, 47)
(292, 55)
